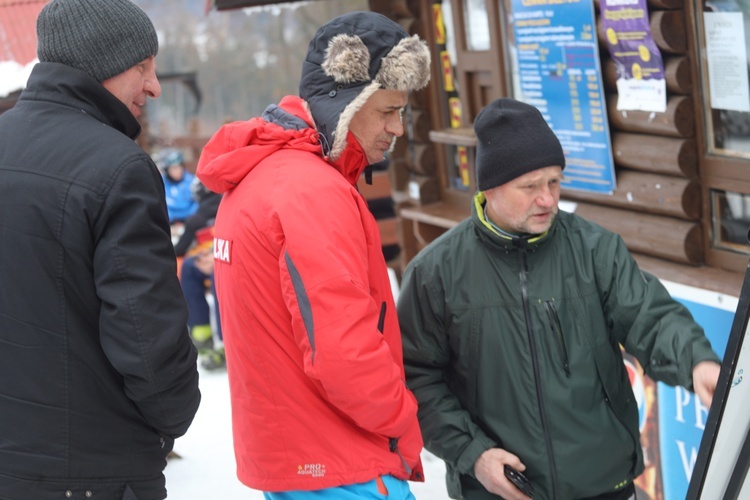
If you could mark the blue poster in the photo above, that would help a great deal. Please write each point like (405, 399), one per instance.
(559, 73)
(682, 417)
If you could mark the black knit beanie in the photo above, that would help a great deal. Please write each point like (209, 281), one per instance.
(513, 139)
(101, 38)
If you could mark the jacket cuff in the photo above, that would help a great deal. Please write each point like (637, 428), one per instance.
(469, 456)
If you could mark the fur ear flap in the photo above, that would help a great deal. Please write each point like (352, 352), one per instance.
(347, 59)
(406, 67)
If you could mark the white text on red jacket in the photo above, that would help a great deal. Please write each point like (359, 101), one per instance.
(223, 250)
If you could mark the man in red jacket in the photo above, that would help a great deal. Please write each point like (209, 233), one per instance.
(312, 340)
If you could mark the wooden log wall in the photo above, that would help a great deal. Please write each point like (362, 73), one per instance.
(412, 162)
(413, 157)
(656, 207)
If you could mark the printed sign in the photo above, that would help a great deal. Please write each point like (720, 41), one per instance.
(640, 69)
(558, 71)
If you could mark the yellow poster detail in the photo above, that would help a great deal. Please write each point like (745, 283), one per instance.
(447, 67)
(463, 165)
(454, 105)
(437, 12)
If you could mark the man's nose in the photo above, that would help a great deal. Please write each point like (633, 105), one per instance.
(153, 87)
(394, 125)
(546, 198)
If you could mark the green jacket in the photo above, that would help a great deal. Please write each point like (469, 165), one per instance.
(515, 343)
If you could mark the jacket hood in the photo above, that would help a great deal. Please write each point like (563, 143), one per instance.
(349, 59)
(238, 147)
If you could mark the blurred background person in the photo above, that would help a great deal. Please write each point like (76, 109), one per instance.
(177, 185)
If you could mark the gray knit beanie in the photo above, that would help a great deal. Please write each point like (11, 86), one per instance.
(513, 139)
(100, 37)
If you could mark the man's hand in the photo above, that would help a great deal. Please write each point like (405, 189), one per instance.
(705, 378)
(489, 469)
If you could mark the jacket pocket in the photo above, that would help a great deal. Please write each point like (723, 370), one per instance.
(381, 319)
(129, 495)
(556, 329)
(618, 395)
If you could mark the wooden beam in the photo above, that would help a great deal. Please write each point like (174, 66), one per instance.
(677, 121)
(654, 235)
(655, 154)
(649, 193)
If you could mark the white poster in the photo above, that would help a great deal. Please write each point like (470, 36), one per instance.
(727, 60)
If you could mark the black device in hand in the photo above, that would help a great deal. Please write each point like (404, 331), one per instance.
(520, 481)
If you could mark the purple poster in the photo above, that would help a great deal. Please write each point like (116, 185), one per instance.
(640, 69)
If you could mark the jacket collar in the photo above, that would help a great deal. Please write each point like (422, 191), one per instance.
(489, 233)
(71, 87)
(236, 148)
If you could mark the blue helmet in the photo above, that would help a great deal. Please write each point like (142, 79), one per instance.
(172, 157)
(168, 157)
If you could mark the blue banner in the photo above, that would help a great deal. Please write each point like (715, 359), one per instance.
(559, 72)
(672, 419)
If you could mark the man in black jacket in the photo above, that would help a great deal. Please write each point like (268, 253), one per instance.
(97, 371)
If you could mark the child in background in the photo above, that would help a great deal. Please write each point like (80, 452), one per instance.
(197, 279)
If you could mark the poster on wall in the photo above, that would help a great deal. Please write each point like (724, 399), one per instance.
(726, 57)
(673, 419)
(640, 70)
(722, 465)
(557, 69)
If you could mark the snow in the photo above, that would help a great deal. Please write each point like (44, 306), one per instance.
(206, 468)
(13, 76)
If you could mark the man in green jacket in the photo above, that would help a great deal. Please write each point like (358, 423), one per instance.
(513, 322)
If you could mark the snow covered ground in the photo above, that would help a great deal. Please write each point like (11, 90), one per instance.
(207, 468)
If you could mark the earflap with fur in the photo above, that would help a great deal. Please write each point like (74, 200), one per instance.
(350, 58)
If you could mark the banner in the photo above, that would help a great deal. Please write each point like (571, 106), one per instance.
(558, 71)
(640, 69)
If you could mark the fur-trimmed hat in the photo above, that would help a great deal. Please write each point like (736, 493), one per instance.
(349, 59)
(513, 138)
(100, 38)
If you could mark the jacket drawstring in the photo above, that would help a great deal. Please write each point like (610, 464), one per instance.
(393, 445)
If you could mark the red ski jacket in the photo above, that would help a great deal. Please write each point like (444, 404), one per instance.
(310, 328)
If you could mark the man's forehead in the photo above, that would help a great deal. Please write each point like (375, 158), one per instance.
(393, 99)
(552, 171)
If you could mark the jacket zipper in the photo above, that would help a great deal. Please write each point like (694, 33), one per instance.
(523, 263)
(554, 323)
(392, 442)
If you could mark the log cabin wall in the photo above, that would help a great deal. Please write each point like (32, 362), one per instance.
(659, 205)
(413, 162)
(656, 207)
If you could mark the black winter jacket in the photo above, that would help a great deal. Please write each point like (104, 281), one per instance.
(97, 371)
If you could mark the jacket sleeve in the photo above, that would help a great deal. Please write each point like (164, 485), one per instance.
(652, 326)
(143, 313)
(324, 269)
(447, 428)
